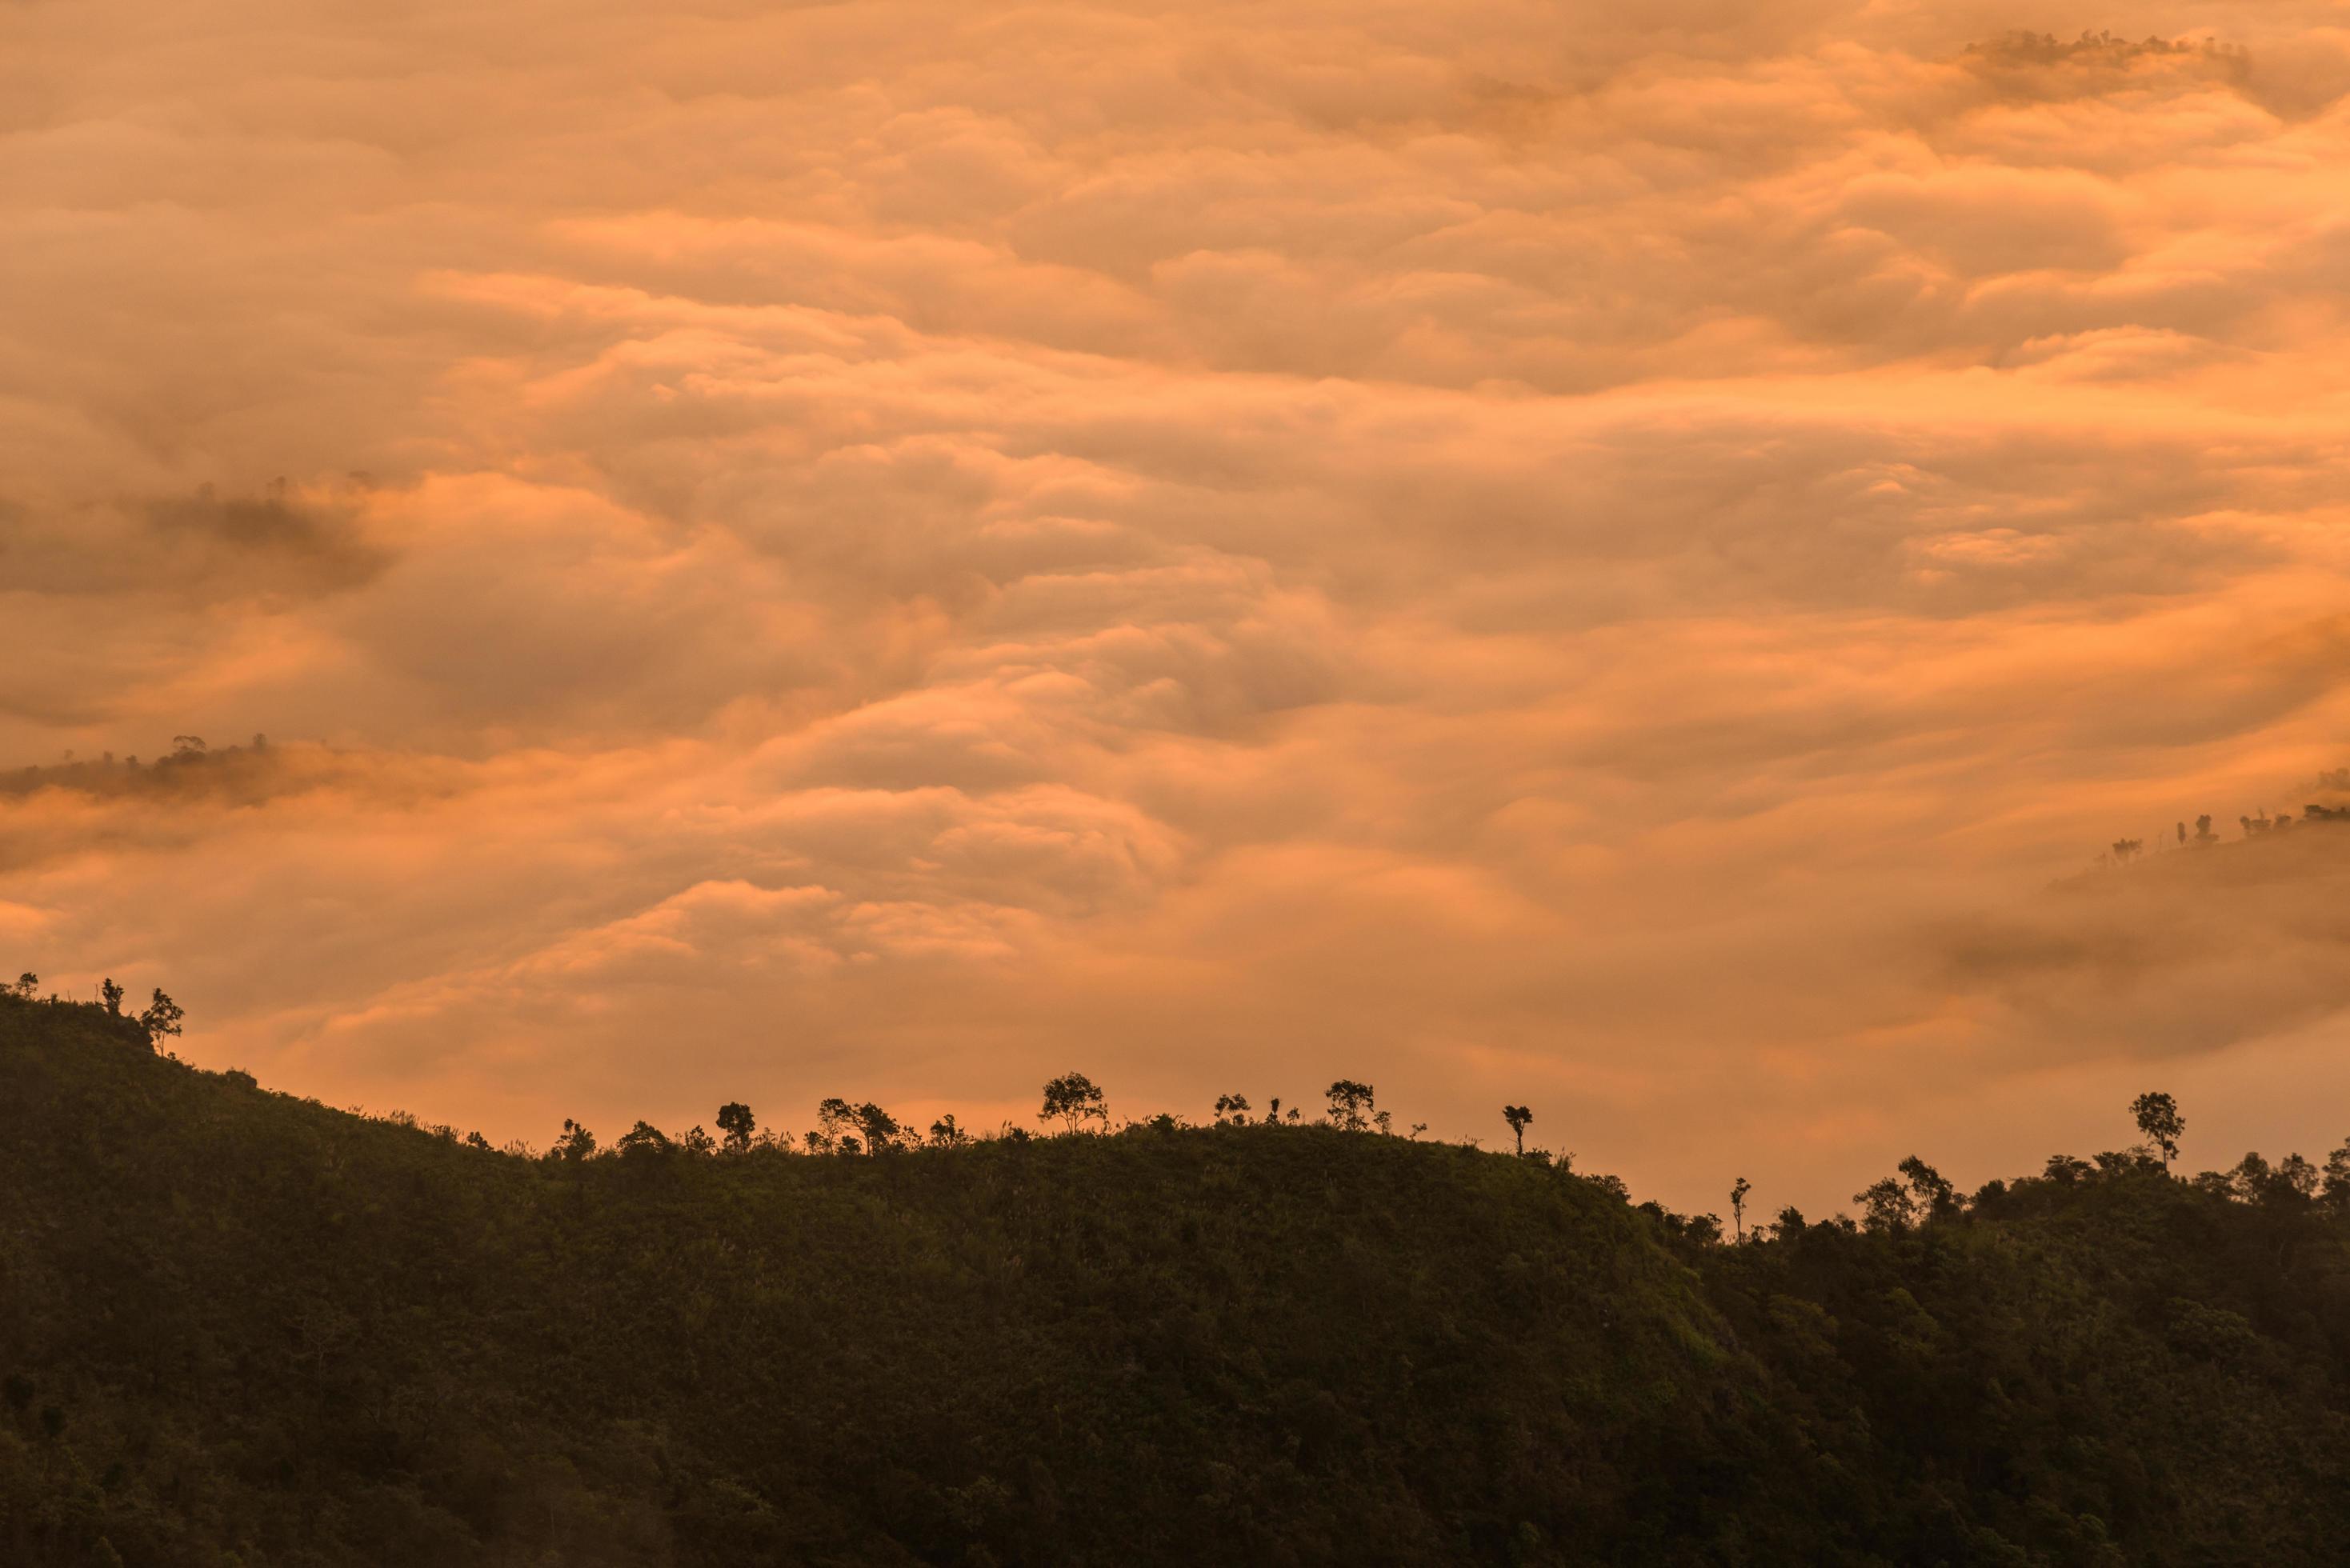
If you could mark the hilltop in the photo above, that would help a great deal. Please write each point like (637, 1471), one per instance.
(237, 1326)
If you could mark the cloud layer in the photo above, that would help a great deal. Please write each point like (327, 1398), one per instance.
(1604, 560)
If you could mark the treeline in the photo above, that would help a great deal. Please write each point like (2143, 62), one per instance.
(239, 1326)
(2122, 851)
(1916, 1195)
(190, 761)
(161, 1018)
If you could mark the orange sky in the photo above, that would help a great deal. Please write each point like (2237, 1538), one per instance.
(1603, 558)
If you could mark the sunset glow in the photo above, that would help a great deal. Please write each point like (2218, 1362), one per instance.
(1622, 559)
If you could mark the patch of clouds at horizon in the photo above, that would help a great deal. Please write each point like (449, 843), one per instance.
(1601, 561)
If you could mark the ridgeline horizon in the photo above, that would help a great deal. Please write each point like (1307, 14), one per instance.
(239, 1326)
(848, 1129)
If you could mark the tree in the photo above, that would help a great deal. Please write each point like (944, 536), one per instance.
(1738, 1191)
(1232, 1109)
(2159, 1118)
(2298, 1177)
(1934, 1196)
(2337, 1177)
(834, 1118)
(111, 994)
(26, 984)
(1518, 1116)
(736, 1120)
(1073, 1099)
(576, 1144)
(2251, 1177)
(880, 1128)
(1272, 1112)
(643, 1139)
(1350, 1104)
(2203, 834)
(163, 1017)
(946, 1133)
(1885, 1207)
(2182, 833)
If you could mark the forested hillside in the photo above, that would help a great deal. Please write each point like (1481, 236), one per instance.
(241, 1327)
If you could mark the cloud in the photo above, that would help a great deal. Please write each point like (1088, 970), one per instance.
(2192, 950)
(1592, 559)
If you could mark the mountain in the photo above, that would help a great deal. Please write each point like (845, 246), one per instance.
(239, 1327)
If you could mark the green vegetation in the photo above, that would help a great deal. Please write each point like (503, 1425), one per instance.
(241, 1327)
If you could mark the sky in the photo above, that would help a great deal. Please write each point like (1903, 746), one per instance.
(1624, 559)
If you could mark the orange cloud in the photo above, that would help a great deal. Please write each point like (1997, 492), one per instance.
(1604, 559)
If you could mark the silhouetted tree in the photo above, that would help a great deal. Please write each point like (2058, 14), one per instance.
(945, 1134)
(1233, 1109)
(163, 1017)
(111, 995)
(2203, 834)
(576, 1144)
(2065, 1168)
(2298, 1177)
(2158, 1119)
(880, 1128)
(1518, 1116)
(2182, 833)
(1886, 1205)
(2337, 1177)
(1272, 1112)
(26, 984)
(2248, 1181)
(834, 1118)
(1934, 1196)
(1350, 1104)
(736, 1120)
(642, 1140)
(1073, 1099)
(1738, 1191)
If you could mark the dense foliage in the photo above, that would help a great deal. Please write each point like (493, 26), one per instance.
(240, 1327)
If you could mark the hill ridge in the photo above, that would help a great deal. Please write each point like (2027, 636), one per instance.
(237, 1326)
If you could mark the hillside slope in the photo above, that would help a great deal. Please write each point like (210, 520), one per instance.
(237, 1326)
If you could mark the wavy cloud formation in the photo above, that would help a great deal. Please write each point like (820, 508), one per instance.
(1600, 560)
